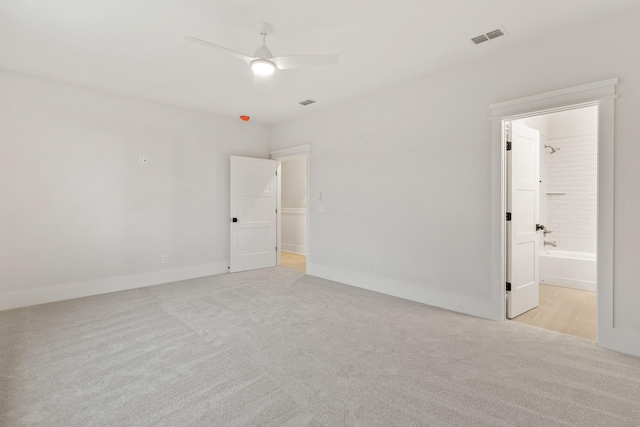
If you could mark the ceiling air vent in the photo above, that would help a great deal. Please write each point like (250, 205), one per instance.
(495, 33)
(489, 36)
(307, 102)
(480, 39)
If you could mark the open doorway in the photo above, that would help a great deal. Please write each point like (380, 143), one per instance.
(293, 199)
(293, 217)
(552, 246)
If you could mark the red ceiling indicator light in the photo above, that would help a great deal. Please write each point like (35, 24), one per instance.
(245, 118)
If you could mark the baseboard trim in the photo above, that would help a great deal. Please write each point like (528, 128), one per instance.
(411, 291)
(69, 291)
(583, 285)
(296, 249)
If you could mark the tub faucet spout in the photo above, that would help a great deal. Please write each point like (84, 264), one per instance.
(554, 244)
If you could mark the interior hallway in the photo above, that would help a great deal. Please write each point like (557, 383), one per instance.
(566, 310)
(293, 261)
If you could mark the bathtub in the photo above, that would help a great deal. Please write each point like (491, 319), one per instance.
(569, 269)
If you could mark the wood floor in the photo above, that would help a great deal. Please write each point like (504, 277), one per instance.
(570, 311)
(294, 261)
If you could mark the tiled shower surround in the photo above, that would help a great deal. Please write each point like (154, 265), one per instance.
(571, 170)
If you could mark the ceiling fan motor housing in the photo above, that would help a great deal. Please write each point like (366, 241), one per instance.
(263, 67)
(263, 52)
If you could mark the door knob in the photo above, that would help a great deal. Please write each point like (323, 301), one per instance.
(234, 219)
(540, 227)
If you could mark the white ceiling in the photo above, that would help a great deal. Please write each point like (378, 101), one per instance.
(135, 47)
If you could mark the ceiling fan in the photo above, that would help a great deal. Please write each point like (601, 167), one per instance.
(263, 63)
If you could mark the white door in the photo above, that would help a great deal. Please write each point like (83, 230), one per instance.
(253, 213)
(523, 179)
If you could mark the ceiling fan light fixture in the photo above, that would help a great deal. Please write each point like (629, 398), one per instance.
(263, 67)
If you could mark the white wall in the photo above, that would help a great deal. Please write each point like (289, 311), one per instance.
(406, 172)
(294, 183)
(79, 215)
(294, 205)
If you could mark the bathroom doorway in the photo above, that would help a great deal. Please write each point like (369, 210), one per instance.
(552, 271)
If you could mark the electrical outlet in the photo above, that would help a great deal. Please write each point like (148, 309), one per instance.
(142, 158)
(376, 264)
(165, 259)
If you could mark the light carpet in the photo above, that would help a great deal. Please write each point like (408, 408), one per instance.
(274, 347)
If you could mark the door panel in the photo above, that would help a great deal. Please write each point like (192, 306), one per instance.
(523, 170)
(253, 205)
(254, 240)
(254, 208)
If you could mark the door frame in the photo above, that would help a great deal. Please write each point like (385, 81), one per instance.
(289, 154)
(603, 95)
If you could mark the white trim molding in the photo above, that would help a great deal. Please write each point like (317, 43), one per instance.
(290, 153)
(292, 247)
(590, 91)
(297, 211)
(602, 94)
(296, 249)
(69, 291)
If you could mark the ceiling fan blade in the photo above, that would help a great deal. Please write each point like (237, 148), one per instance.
(298, 61)
(232, 52)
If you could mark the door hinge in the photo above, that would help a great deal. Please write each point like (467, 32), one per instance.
(276, 210)
(276, 249)
(508, 216)
(508, 145)
(276, 173)
(508, 286)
